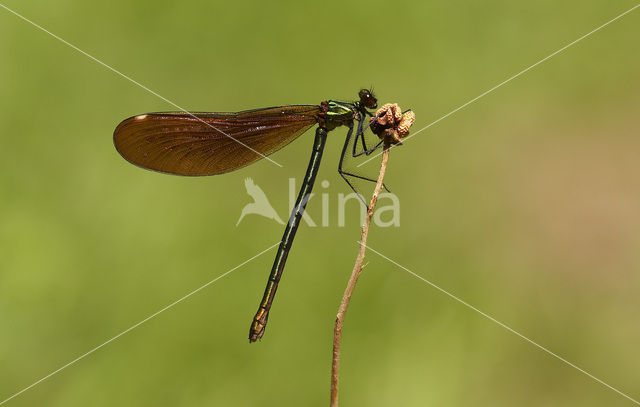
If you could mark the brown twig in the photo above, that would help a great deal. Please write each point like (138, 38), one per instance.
(391, 125)
(351, 285)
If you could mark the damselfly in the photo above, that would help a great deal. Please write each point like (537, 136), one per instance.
(195, 144)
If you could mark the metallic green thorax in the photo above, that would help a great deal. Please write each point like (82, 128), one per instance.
(339, 114)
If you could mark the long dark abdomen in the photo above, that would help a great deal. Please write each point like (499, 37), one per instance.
(260, 320)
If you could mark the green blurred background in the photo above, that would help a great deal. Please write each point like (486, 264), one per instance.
(524, 204)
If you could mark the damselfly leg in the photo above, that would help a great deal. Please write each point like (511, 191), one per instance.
(345, 174)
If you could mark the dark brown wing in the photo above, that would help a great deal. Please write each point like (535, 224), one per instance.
(209, 143)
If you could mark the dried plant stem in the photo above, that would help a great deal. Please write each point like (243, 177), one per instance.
(351, 285)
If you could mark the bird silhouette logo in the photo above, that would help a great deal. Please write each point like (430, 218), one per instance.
(260, 204)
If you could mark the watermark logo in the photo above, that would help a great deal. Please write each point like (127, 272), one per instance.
(260, 205)
(387, 213)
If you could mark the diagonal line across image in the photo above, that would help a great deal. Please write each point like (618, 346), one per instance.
(131, 328)
(271, 247)
(508, 80)
(133, 81)
(489, 317)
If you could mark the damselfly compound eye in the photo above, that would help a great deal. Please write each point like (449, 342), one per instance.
(367, 99)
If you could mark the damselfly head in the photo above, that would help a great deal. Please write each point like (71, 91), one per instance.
(367, 99)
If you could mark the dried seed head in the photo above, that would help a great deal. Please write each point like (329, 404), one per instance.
(389, 123)
(390, 113)
(407, 120)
